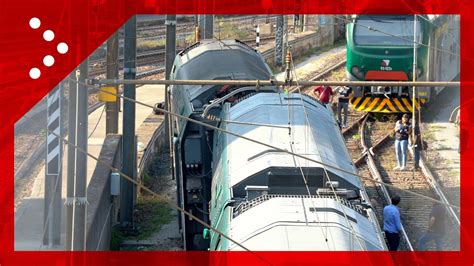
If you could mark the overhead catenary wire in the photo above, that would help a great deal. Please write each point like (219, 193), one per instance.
(351, 228)
(191, 120)
(395, 36)
(141, 186)
(305, 180)
(399, 37)
(289, 130)
(264, 144)
(270, 146)
(291, 145)
(97, 124)
(428, 20)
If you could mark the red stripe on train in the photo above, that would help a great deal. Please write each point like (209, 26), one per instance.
(386, 75)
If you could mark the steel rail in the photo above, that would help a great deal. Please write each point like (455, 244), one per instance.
(437, 189)
(322, 74)
(376, 173)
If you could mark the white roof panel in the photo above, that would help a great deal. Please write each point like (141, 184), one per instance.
(289, 224)
(320, 139)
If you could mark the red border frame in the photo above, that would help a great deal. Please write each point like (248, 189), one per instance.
(85, 24)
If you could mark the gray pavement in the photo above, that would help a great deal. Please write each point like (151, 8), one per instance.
(29, 214)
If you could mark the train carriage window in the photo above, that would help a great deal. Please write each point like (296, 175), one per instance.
(392, 31)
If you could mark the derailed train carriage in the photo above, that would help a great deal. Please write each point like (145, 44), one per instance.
(263, 198)
(381, 48)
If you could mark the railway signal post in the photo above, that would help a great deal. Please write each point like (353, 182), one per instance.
(53, 171)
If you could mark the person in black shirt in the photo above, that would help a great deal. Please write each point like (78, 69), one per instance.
(343, 103)
(436, 227)
(402, 134)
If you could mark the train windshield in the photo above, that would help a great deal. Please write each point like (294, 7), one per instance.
(386, 31)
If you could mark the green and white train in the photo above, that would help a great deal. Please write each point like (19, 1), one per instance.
(263, 198)
(381, 48)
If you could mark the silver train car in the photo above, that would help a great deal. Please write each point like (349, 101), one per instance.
(263, 198)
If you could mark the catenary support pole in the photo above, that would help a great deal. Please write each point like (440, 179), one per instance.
(111, 122)
(279, 41)
(206, 26)
(285, 37)
(170, 55)
(71, 158)
(414, 77)
(127, 192)
(80, 190)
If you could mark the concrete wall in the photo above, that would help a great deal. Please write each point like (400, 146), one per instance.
(103, 208)
(303, 43)
(154, 146)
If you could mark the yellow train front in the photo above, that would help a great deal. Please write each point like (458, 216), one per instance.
(386, 103)
(381, 48)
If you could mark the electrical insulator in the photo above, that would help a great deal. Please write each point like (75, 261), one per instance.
(288, 58)
(197, 34)
(288, 66)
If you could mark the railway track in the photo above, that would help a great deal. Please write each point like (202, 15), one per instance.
(371, 146)
(25, 164)
(29, 160)
(378, 193)
(153, 58)
(241, 20)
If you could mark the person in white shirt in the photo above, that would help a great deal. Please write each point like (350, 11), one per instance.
(345, 93)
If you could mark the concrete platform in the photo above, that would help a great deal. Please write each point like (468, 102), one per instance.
(29, 214)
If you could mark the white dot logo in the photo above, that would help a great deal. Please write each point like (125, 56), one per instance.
(62, 48)
(48, 60)
(48, 35)
(35, 23)
(35, 73)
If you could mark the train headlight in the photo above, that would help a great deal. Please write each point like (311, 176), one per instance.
(357, 72)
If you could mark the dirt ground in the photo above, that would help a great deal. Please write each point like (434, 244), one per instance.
(443, 142)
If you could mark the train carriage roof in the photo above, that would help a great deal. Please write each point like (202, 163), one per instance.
(227, 59)
(321, 141)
